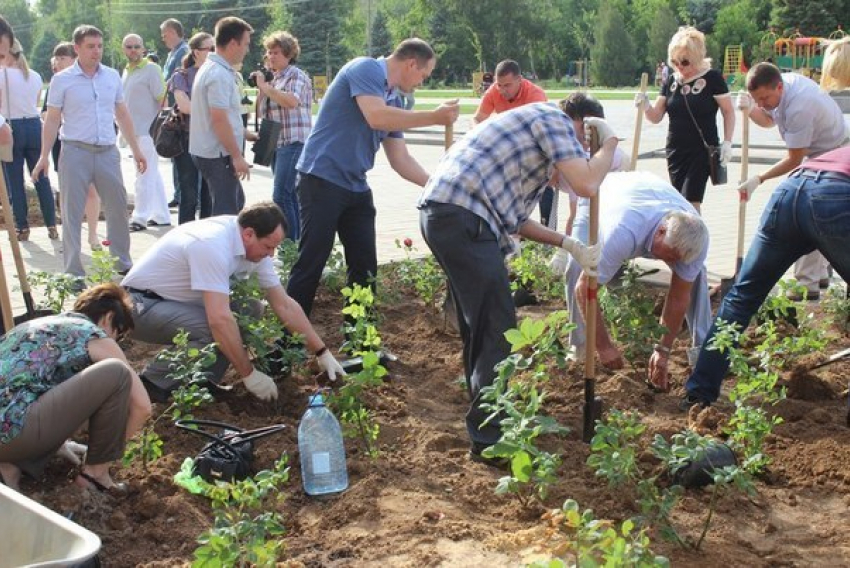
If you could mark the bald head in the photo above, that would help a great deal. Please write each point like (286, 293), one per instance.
(134, 48)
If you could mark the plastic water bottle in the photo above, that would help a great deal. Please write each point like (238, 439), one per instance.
(323, 469)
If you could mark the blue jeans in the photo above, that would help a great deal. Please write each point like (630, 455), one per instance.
(27, 148)
(284, 195)
(805, 213)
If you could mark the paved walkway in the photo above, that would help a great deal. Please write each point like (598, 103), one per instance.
(395, 200)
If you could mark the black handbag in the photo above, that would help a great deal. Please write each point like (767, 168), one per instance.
(169, 133)
(266, 145)
(230, 454)
(716, 169)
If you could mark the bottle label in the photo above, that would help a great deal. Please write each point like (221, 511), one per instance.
(321, 463)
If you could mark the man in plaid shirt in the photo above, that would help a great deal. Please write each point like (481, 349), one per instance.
(288, 100)
(483, 191)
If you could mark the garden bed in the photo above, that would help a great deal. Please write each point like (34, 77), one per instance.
(422, 502)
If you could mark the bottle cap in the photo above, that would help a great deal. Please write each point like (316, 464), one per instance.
(316, 400)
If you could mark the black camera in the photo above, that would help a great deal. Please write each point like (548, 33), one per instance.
(268, 75)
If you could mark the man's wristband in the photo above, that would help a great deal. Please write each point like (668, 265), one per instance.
(321, 351)
(664, 350)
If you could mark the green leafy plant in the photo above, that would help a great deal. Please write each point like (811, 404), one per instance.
(837, 305)
(246, 530)
(530, 270)
(55, 287)
(362, 341)
(580, 539)
(186, 364)
(287, 254)
(615, 452)
(102, 267)
(422, 275)
(271, 347)
(629, 311)
(518, 406)
(334, 274)
(689, 447)
(516, 400)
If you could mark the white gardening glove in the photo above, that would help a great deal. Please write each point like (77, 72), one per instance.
(747, 188)
(260, 385)
(605, 132)
(744, 101)
(586, 256)
(558, 262)
(73, 452)
(726, 153)
(330, 365)
(641, 101)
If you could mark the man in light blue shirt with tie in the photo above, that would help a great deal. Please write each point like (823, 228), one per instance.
(87, 99)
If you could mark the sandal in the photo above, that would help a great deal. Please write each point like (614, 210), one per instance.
(116, 490)
(23, 234)
(52, 233)
(135, 227)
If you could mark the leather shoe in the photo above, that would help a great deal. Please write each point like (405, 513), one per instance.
(811, 296)
(823, 283)
(689, 400)
(498, 463)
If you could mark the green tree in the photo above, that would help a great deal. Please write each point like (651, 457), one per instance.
(382, 43)
(612, 55)
(22, 20)
(41, 53)
(812, 18)
(665, 24)
(702, 14)
(318, 27)
(736, 25)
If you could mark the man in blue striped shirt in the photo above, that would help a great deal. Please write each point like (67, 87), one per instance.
(483, 192)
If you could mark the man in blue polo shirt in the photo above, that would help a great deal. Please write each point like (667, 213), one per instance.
(361, 111)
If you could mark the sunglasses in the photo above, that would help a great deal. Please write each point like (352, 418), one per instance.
(680, 62)
(132, 47)
(204, 48)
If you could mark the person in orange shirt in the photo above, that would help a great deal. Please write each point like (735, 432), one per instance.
(509, 91)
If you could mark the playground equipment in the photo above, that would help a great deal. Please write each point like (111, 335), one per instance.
(797, 53)
(800, 54)
(481, 81)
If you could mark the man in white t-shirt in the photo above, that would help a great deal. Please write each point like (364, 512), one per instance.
(183, 282)
(810, 122)
(643, 216)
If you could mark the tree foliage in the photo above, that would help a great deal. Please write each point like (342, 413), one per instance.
(318, 25)
(612, 55)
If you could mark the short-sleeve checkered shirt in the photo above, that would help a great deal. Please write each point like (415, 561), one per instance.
(499, 169)
(296, 121)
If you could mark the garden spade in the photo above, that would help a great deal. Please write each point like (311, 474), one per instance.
(726, 283)
(19, 261)
(592, 403)
(644, 83)
(832, 359)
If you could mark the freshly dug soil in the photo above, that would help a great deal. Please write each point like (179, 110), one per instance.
(422, 502)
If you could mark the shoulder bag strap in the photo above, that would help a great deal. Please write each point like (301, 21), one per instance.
(687, 106)
(8, 96)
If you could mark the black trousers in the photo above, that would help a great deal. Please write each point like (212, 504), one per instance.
(469, 253)
(327, 210)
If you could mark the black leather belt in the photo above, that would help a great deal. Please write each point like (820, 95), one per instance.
(145, 293)
(821, 174)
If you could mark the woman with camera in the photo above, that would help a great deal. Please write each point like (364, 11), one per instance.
(180, 85)
(286, 98)
(60, 372)
(691, 97)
